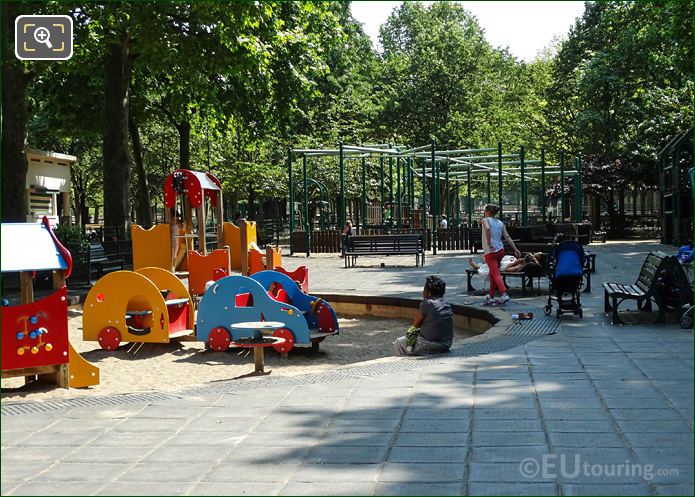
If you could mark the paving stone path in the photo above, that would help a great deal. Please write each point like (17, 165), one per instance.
(591, 410)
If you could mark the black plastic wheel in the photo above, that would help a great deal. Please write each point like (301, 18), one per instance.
(548, 310)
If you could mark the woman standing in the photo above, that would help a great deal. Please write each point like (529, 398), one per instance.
(493, 248)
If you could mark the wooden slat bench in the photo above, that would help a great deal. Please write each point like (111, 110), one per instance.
(644, 290)
(100, 263)
(370, 245)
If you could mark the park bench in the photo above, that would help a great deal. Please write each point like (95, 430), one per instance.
(645, 290)
(99, 263)
(526, 279)
(371, 245)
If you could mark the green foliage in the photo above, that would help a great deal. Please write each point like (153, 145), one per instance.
(622, 84)
(248, 79)
(72, 237)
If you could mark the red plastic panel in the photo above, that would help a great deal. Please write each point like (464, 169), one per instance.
(178, 317)
(195, 184)
(326, 323)
(299, 275)
(244, 300)
(43, 342)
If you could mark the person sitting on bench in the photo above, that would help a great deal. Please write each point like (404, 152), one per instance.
(432, 331)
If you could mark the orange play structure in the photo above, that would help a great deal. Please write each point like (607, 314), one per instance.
(238, 237)
(35, 342)
(204, 268)
(147, 305)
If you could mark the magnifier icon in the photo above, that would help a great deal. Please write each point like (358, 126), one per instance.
(43, 35)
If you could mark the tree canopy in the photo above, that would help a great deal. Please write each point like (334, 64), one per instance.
(227, 87)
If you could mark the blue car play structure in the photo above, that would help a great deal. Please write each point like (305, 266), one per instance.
(268, 296)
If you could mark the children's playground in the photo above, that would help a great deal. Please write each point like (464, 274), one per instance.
(212, 347)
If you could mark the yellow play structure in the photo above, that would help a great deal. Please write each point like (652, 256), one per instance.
(147, 305)
(152, 247)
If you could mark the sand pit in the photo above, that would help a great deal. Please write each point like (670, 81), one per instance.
(173, 366)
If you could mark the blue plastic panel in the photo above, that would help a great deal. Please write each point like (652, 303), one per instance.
(29, 247)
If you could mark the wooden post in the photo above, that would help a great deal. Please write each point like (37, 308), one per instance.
(58, 279)
(244, 248)
(187, 225)
(220, 220)
(201, 228)
(258, 359)
(269, 263)
(27, 292)
(27, 287)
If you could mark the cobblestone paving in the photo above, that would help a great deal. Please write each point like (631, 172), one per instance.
(593, 409)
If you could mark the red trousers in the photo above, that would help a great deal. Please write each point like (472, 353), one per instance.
(493, 260)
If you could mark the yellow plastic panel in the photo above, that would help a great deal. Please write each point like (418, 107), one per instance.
(152, 247)
(81, 372)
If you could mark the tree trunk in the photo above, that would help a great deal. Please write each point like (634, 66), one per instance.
(14, 124)
(84, 210)
(251, 208)
(143, 202)
(184, 129)
(116, 164)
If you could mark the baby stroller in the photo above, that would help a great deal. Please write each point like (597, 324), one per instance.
(566, 275)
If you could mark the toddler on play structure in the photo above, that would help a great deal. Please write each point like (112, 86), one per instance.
(432, 331)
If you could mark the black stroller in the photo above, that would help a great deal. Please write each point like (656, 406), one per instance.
(566, 276)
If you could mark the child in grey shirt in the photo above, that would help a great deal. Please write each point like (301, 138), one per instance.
(432, 330)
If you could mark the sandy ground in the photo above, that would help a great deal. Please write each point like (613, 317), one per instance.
(172, 366)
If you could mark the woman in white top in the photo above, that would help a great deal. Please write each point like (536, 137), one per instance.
(493, 248)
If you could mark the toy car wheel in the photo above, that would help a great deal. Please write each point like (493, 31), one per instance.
(288, 344)
(686, 321)
(109, 338)
(219, 339)
(547, 310)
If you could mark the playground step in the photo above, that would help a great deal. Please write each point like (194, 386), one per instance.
(176, 301)
(181, 333)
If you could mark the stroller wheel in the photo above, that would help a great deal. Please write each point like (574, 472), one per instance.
(580, 312)
(687, 320)
(548, 310)
(558, 312)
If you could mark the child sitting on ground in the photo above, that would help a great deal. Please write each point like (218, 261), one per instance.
(432, 330)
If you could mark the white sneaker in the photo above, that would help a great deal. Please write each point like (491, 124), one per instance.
(502, 300)
(488, 300)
